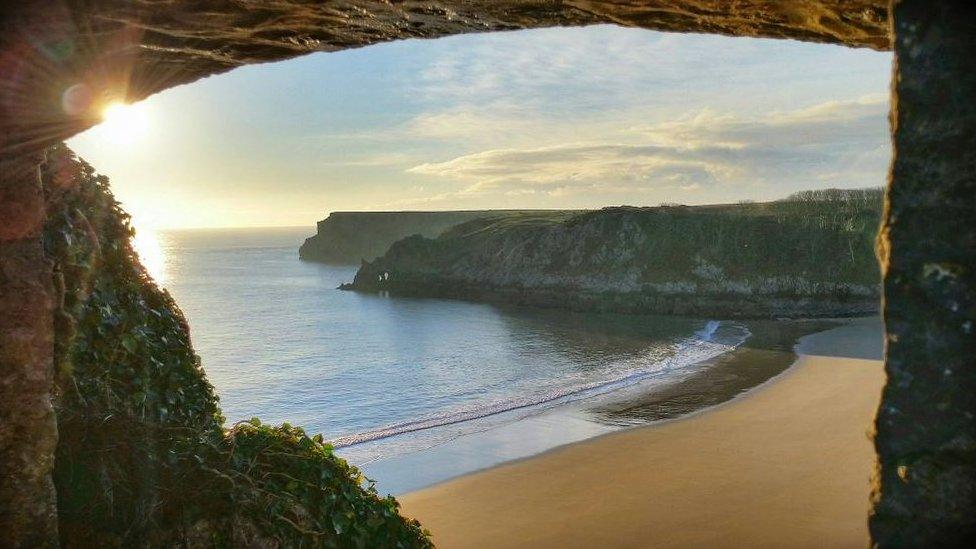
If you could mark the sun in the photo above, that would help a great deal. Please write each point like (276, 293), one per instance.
(124, 123)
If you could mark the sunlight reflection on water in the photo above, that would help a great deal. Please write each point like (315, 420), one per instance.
(147, 244)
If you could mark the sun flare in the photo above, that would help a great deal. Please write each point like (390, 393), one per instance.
(124, 124)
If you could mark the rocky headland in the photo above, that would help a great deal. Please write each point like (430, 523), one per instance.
(811, 255)
(346, 238)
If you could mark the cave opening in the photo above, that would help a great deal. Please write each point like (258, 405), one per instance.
(913, 463)
(532, 120)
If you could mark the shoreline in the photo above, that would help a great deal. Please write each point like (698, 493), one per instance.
(555, 498)
(724, 306)
(736, 359)
(517, 434)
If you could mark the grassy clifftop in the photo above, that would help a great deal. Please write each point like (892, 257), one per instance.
(809, 255)
(346, 238)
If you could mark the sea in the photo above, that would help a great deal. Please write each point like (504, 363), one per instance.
(417, 391)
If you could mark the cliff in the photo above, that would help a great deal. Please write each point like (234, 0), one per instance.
(143, 457)
(811, 255)
(346, 238)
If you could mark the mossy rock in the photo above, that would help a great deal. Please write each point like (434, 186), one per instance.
(143, 456)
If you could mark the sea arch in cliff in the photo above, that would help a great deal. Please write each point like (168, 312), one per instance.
(63, 60)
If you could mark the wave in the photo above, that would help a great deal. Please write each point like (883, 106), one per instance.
(708, 332)
(702, 346)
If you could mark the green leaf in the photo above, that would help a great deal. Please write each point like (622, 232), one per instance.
(129, 343)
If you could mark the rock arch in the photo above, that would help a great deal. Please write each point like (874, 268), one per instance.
(61, 60)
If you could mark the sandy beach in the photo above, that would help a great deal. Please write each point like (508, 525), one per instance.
(786, 465)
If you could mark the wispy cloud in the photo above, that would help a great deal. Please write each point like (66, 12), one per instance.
(601, 66)
(856, 121)
(372, 160)
(573, 162)
(845, 140)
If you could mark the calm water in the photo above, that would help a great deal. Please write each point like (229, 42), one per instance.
(387, 377)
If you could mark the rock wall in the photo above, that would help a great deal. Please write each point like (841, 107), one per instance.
(28, 432)
(926, 425)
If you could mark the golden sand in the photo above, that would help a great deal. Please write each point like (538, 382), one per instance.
(786, 465)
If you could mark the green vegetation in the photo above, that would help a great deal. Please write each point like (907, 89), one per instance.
(143, 456)
(813, 245)
(497, 222)
(350, 237)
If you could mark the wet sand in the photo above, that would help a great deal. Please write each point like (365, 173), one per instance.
(785, 465)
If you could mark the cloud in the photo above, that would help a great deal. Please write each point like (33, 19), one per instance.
(497, 121)
(572, 162)
(859, 121)
(374, 160)
(539, 116)
(845, 141)
(601, 65)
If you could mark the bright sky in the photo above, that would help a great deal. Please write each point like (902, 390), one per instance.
(556, 118)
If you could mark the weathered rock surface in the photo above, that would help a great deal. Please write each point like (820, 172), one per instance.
(28, 432)
(62, 60)
(926, 425)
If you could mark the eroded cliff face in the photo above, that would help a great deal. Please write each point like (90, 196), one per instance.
(753, 260)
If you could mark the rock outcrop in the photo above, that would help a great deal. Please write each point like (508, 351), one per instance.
(346, 238)
(795, 258)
